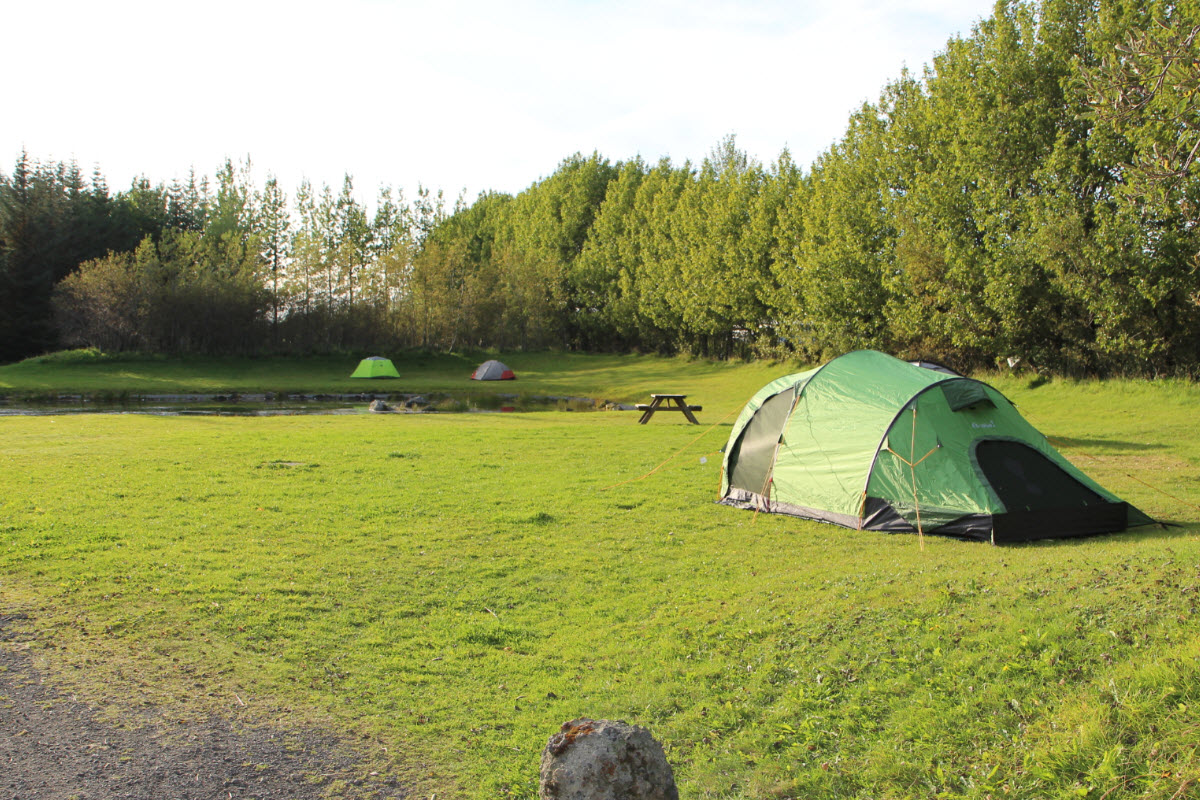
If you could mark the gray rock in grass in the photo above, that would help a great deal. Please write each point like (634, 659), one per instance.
(379, 407)
(605, 760)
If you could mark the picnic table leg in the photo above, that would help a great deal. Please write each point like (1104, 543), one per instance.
(680, 404)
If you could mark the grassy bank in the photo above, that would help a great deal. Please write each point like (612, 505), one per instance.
(456, 586)
(602, 377)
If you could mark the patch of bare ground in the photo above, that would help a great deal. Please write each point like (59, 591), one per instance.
(56, 746)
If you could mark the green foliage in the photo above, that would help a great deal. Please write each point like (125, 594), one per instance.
(1146, 86)
(980, 212)
(458, 586)
(1141, 89)
(1031, 195)
(654, 209)
(606, 275)
(836, 285)
(180, 294)
(717, 266)
(51, 219)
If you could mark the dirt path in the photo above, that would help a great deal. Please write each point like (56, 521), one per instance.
(54, 747)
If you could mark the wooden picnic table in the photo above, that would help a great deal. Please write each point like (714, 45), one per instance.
(667, 402)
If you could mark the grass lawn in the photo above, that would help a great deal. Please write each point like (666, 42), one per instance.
(630, 378)
(454, 587)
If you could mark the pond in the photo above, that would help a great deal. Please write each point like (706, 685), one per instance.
(270, 404)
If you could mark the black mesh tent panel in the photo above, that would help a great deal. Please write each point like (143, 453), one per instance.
(1040, 499)
(1025, 480)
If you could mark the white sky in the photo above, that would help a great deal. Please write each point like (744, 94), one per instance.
(455, 94)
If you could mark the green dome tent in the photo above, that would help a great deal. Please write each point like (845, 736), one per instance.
(871, 442)
(375, 367)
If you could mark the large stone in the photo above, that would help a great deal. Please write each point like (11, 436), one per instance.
(592, 759)
(379, 407)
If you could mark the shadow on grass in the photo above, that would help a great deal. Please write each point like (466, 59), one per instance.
(1161, 530)
(1104, 444)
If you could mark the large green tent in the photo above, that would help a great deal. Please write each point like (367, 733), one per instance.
(868, 441)
(375, 367)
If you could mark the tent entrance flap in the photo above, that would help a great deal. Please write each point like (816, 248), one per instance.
(756, 449)
(1025, 480)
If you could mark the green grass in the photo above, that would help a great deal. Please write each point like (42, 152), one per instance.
(628, 378)
(454, 587)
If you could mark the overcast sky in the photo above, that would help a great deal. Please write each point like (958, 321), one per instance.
(455, 94)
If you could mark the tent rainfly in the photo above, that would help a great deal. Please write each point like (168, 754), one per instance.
(492, 370)
(936, 367)
(871, 442)
(375, 367)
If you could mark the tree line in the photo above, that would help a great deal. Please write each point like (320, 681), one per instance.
(212, 267)
(1031, 194)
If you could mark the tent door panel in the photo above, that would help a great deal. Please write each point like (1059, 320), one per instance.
(1041, 499)
(1025, 480)
(1060, 523)
(756, 448)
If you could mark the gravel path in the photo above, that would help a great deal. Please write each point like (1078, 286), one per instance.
(54, 747)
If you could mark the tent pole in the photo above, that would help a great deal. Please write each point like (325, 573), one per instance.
(912, 470)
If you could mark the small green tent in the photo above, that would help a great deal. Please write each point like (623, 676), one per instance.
(871, 442)
(375, 367)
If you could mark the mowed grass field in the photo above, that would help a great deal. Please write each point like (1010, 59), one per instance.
(451, 588)
(599, 377)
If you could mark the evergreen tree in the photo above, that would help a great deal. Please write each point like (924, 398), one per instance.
(273, 233)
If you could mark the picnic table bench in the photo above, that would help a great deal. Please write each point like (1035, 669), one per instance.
(667, 402)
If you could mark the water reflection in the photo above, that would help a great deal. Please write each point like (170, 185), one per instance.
(270, 405)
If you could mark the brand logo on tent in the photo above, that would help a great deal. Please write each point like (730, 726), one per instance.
(988, 424)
